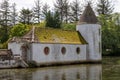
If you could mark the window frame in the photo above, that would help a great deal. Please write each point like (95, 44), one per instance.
(46, 50)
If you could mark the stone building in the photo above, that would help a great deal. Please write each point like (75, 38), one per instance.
(55, 46)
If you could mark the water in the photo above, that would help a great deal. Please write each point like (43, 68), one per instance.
(109, 70)
(76, 72)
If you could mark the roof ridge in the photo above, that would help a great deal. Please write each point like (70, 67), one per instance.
(33, 32)
(88, 16)
(55, 29)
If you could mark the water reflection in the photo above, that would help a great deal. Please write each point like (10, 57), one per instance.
(79, 72)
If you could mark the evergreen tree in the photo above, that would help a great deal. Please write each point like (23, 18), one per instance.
(45, 10)
(49, 19)
(37, 11)
(14, 14)
(59, 6)
(56, 20)
(104, 7)
(63, 8)
(76, 10)
(4, 20)
(53, 20)
(66, 9)
(26, 16)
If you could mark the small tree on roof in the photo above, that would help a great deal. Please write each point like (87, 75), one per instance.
(53, 20)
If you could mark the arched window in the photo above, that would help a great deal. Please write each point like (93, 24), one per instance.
(46, 50)
(63, 50)
(78, 50)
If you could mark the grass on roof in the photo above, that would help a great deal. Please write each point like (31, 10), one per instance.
(58, 35)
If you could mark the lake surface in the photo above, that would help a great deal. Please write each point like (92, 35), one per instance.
(109, 70)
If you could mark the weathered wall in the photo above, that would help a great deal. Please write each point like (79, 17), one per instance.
(92, 34)
(55, 54)
(15, 47)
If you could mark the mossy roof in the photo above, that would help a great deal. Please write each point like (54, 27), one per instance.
(44, 35)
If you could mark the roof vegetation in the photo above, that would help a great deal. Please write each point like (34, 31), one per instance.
(48, 35)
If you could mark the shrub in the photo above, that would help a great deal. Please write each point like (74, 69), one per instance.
(19, 30)
(69, 26)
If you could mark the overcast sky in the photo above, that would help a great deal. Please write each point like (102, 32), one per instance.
(30, 3)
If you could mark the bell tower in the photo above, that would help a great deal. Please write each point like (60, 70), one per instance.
(91, 31)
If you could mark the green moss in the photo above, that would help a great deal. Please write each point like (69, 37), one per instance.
(41, 24)
(59, 36)
(69, 26)
(4, 45)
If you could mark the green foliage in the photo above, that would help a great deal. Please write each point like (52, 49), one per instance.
(19, 30)
(66, 10)
(4, 45)
(45, 10)
(3, 34)
(41, 24)
(69, 26)
(5, 13)
(104, 7)
(5, 20)
(110, 36)
(76, 10)
(63, 8)
(26, 16)
(56, 20)
(53, 20)
(49, 20)
(59, 6)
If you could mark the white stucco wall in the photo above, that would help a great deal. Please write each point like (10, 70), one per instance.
(15, 47)
(55, 54)
(92, 34)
